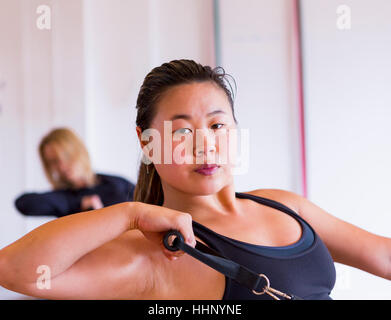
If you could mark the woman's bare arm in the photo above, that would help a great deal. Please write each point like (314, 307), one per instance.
(71, 246)
(348, 244)
(61, 242)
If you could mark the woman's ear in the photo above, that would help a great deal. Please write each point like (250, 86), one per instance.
(150, 142)
(139, 132)
(144, 146)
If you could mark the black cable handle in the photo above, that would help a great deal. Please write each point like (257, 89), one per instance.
(174, 241)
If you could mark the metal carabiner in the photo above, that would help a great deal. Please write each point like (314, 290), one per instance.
(271, 291)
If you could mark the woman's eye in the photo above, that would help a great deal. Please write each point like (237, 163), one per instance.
(183, 130)
(217, 126)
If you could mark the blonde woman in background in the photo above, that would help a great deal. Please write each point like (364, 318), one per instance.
(67, 166)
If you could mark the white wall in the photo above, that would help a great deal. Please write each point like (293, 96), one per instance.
(256, 49)
(44, 80)
(11, 128)
(117, 62)
(52, 75)
(348, 113)
(12, 225)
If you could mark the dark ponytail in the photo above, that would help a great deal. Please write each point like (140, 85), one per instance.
(149, 188)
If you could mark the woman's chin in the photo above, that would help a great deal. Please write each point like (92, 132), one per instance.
(205, 189)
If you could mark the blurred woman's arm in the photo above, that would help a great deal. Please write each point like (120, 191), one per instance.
(54, 203)
(110, 190)
(113, 189)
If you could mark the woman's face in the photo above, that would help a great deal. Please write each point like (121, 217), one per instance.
(193, 121)
(62, 166)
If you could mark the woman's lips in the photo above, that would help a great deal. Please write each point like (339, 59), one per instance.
(207, 170)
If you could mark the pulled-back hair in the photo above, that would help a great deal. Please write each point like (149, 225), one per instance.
(148, 187)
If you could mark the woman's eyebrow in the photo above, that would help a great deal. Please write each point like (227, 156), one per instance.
(188, 117)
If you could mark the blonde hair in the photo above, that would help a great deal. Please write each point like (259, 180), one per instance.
(68, 144)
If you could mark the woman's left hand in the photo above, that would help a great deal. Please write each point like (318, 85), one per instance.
(92, 202)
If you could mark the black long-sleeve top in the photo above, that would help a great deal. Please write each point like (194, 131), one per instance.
(110, 189)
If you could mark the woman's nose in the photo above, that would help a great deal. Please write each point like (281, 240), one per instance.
(200, 151)
(205, 143)
(62, 167)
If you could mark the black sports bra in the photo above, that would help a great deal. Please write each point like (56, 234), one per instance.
(304, 268)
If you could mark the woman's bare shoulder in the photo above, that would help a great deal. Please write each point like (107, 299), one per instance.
(288, 198)
(124, 263)
(169, 279)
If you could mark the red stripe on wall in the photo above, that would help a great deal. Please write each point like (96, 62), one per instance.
(299, 74)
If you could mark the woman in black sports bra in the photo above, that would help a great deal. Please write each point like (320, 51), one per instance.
(118, 252)
(304, 268)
